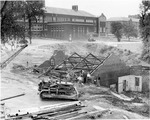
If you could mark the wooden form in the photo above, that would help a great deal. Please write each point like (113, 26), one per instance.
(77, 63)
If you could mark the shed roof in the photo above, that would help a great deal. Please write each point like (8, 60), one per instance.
(54, 10)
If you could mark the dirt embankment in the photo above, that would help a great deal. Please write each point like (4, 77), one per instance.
(98, 49)
(38, 53)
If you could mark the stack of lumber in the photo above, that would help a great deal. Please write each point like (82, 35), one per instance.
(46, 111)
(63, 111)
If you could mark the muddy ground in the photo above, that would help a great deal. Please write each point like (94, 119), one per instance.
(24, 81)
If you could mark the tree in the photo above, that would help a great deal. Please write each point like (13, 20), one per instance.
(9, 26)
(32, 10)
(129, 30)
(116, 29)
(145, 29)
(11, 11)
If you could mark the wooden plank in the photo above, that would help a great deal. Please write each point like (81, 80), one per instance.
(51, 115)
(82, 115)
(64, 115)
(19, 95)
(101, 63)
(95, 57)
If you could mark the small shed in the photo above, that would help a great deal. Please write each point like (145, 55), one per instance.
(143, 71)
(129, 83)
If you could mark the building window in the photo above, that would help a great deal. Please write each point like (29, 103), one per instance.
(60, 19)
(89, 21)
(67, 19)
(102, 24)
(95, 29)
(74, 29)
(137, 80)
(62, 29)
(79, 29)
(77, 20)
(104, 30)
(48, 19)
(45, 27)
(83, 30)
(54, 19)
(87, 30)
(100, 29)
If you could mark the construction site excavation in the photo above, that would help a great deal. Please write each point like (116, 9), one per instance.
(71, 80)
(74, 59)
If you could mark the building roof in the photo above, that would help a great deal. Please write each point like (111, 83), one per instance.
(63, 11)
(122, 19)
(102, 15)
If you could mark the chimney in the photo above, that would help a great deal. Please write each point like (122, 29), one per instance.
(75, 7)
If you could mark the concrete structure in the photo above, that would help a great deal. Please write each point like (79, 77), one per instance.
(129, 83)
(110, 70)
(143, 71)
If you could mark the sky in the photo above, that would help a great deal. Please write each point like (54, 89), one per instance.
(110, 8)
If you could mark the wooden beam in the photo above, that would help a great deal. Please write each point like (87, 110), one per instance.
(101, 63)
(95, 57)
(13, 96)
(45, 109)
(82, 115)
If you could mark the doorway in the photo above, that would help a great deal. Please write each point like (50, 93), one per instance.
(124, 85)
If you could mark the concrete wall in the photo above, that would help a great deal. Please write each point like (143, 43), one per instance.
(145, 77)
(130, 83)
(109, 72)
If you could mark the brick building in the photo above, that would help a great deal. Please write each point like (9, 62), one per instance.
(60, 23)
(63, 23)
